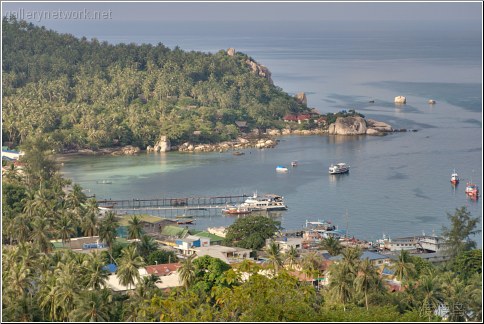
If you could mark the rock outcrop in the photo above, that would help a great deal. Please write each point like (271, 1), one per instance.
(354, 125)
(378, 126)
(301, 98)
(259, 70)
(127, 150)
(400, 100)
(231, 51)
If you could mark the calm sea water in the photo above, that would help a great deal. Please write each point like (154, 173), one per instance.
(398, 184)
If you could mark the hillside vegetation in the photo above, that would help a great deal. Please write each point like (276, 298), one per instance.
(79, 93)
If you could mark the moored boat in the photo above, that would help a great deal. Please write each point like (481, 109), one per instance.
(281, 168)
(267, 202)
(236, 210)
(339, 168)
(472, 190)
(454, 178)
(294, 163)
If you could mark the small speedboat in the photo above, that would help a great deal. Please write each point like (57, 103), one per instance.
(281, 168)
(294, 163)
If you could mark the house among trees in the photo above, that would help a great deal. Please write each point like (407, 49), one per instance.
(241, 125)
(299, 118)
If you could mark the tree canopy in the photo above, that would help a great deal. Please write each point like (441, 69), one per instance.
(80, 93)
(251, 232)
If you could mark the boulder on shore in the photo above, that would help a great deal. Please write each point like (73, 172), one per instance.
(163, 145)
(301, 98)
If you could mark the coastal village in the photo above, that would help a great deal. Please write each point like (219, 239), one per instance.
(68, 255)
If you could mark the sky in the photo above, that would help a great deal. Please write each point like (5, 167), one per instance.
(258, 11)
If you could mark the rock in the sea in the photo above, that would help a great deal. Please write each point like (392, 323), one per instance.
(301, 98)
(128, 150)
(352, 125)
(231, 51)
(373, 132)
(400, 100)
(378, 125)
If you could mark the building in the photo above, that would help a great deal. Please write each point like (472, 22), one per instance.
(227, 254)
(187, 245)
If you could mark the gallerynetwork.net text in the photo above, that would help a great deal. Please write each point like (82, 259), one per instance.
(39, 15)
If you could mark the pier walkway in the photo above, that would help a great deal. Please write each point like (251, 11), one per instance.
(168, 206)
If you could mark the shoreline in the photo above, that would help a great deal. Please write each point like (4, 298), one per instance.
(268, 140)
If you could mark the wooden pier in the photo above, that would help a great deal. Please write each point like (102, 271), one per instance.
(169, 206)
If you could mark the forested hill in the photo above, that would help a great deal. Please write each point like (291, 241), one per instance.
(79, 93)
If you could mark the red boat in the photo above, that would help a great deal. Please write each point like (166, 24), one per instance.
(472, 190)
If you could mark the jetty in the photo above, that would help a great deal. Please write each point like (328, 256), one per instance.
(172, 206)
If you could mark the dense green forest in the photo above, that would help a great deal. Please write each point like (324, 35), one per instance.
(79, 93)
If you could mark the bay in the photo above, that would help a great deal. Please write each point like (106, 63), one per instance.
(398, 184)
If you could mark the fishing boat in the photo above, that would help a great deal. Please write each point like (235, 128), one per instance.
(454, 178)
(267, 202)
(236, 210)
(339, 168)
(294, 163)
(238, 153)
(281, 168)
(472, 190)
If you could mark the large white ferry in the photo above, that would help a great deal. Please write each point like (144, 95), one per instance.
(339, 168)
(267, 202)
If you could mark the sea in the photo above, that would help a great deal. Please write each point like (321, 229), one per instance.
(398, 185)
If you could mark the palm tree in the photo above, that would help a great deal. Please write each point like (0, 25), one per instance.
(332, 245)
(129, 263)
(49, 298)
(40, 234)
(65, 227)
(95, 276)
(367, 279)
(91, 306)
(76, 197)
(403, 268)
(341, 283)
(274, 258)
(146, 246)
(431, 293)
(311, 264)
(135, 228)
(186, 271)
(89, 223)
(68, 287)
(292, 256)
(351, 259)
(107, 229)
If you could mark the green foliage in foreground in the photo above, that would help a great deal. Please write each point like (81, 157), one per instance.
(80, 93)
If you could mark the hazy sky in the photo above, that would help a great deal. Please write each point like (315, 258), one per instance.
(275, 11)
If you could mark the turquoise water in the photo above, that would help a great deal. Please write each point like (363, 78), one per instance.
(398, 184)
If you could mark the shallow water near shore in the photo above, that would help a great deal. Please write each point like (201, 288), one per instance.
(398, 184)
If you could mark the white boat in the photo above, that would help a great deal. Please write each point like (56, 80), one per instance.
(339, 168)
(267, 202)
(454, 178)
(281, 168)
(294, 163)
